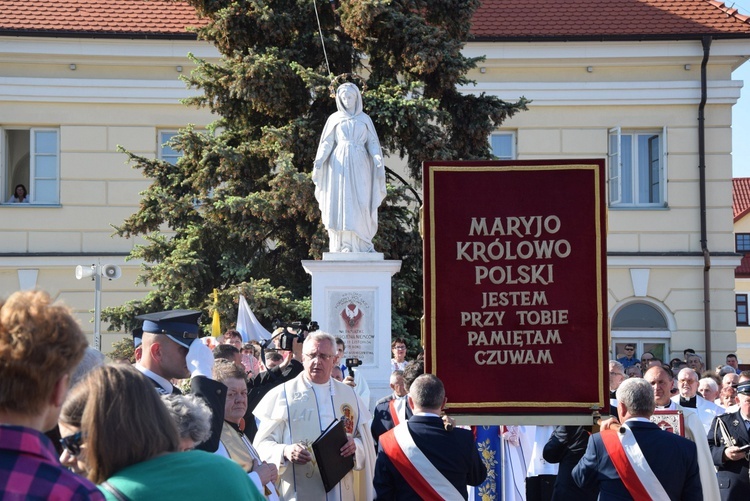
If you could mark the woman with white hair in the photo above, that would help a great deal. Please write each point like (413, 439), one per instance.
(708, 389)
(192, 417)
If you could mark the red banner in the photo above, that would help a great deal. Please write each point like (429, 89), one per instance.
(515, 285)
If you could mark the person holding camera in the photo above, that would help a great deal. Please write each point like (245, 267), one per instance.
(293, 415)
(351, 377)
(282, 367)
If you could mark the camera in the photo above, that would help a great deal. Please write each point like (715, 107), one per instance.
(292, 331)
(353, 362)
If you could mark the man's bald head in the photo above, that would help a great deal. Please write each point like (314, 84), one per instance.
(164, 357)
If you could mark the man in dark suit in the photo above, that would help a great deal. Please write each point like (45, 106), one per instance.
(169, 351)
(383, 418)
(726, 437)
(566, 447)
(420, 459)
(670, 468)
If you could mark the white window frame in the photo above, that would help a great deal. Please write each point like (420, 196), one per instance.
(512, 134)
(33, 155)
(640, 339)
(160, 140)
(614, 156)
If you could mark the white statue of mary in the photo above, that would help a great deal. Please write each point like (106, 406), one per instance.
(349, 175)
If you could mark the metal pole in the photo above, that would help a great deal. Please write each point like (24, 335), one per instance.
(97, 308)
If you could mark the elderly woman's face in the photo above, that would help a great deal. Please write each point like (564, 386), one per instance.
(73, 456)
(236, 402)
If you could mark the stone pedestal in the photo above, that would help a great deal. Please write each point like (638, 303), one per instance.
(351, 299)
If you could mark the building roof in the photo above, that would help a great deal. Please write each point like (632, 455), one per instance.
(740, 197)
(553, 20)
(495, 20)
(741, 206)
(98, 18)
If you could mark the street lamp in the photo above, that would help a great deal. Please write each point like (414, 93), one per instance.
(96, 272)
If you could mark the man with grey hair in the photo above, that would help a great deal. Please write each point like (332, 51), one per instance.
(687, 384)
(420, 459)
(386, 415)
(639, 460)
(726, 369)
(695, 362)
(292, 415)
(616, 377)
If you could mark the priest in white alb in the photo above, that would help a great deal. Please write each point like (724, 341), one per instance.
(292, 415)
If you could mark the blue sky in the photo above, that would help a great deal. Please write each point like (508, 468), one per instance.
(741, 112)
(741, 125)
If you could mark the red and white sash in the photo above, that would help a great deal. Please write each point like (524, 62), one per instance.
(397, 409)
(632, 466)
(415, 467)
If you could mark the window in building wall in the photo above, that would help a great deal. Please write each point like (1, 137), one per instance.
(645, 326)
(31, 157)
(503, 145)
(742, 242)
(740, 306)
(637, 168)
(639, 316)
(166, 152)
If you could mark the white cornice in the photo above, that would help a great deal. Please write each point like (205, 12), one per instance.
(87, 90)
(610, 93)
(32, 261)
(525, 53)
(45, 50)
(636, 261)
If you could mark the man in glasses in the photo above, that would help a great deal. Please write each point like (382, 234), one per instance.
(630, 357)
(292, 415)
(687, 384)
(40, 345)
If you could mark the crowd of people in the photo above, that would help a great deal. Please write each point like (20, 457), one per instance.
(252, 422)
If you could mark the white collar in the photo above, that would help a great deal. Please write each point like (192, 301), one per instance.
(638, 419)
(427, 414)
(671, 406)
(163, 383)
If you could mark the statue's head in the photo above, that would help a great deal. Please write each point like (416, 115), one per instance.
(349, 99)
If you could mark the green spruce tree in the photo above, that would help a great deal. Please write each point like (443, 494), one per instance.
(239, 204)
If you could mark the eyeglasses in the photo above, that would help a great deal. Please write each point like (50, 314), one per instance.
(629, 349)
(72, 443)
(646, 359)
(320, 356)
(616, 374)
(399, 348)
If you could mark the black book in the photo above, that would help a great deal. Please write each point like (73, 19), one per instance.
(327, 449)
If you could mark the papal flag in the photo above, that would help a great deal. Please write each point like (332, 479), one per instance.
(248, 325)
(216, 321)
